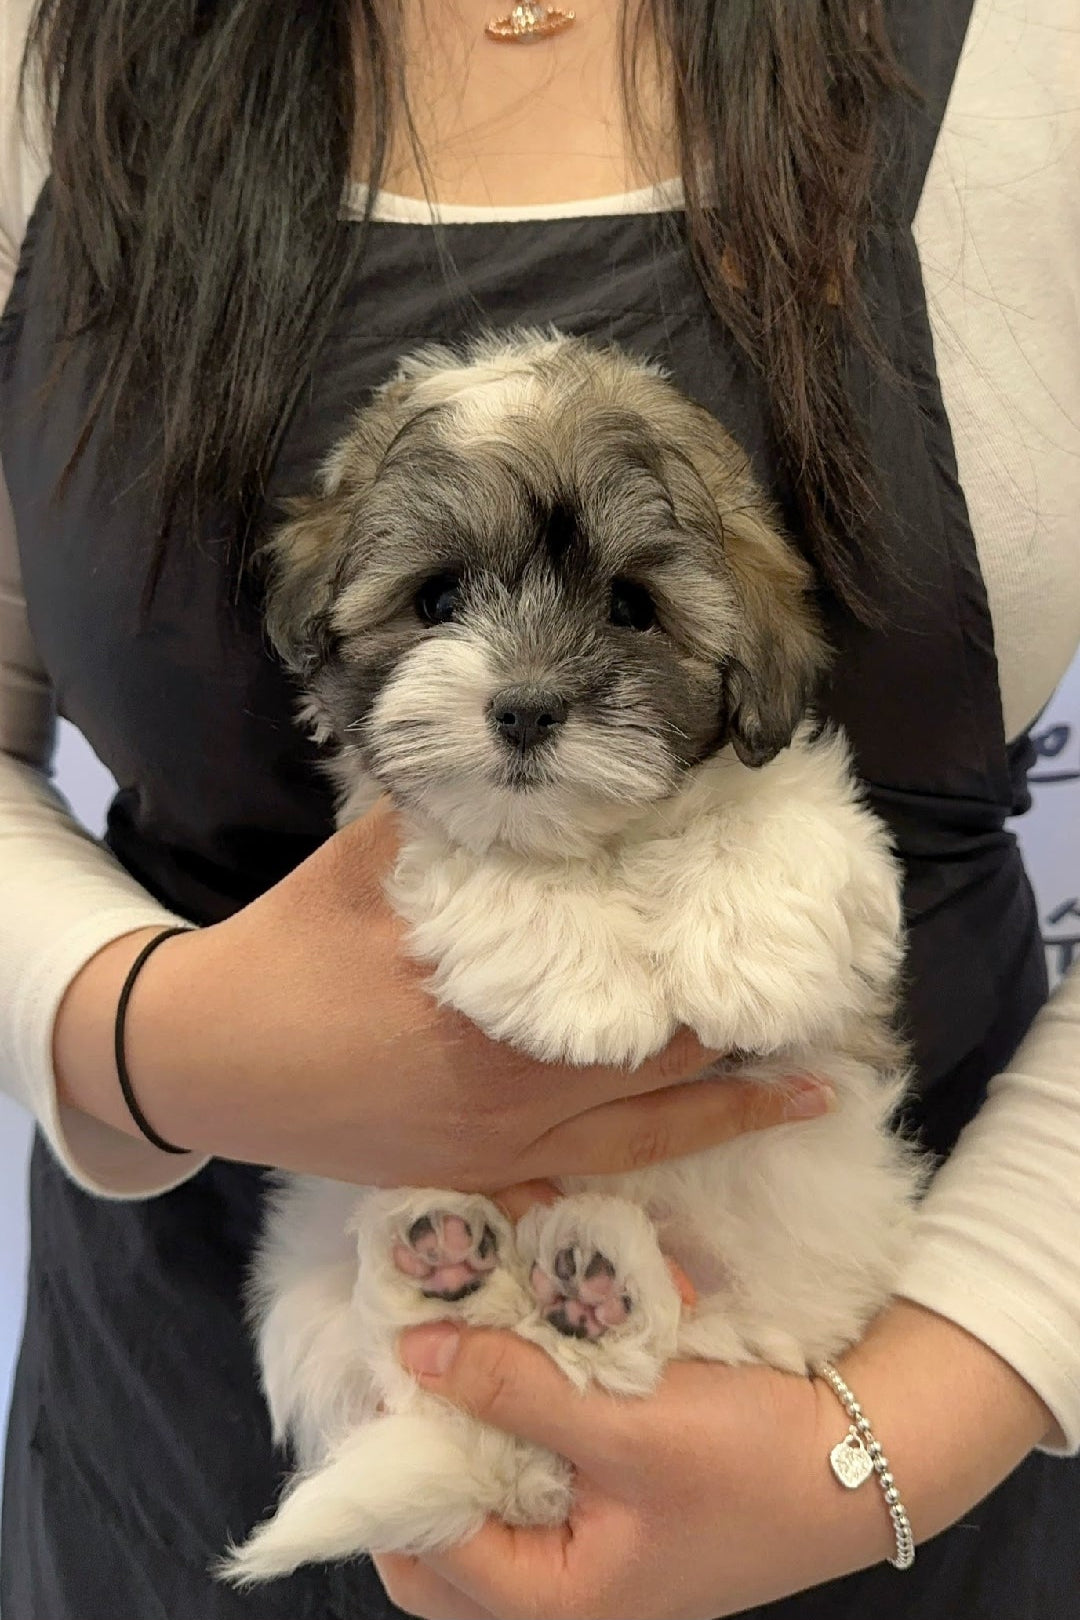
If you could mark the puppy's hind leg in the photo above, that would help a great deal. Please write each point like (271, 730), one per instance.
(411, 1482)
(606, 1308)
(419, 1475)
(426, 1254)
(449, 1250)
(315, 1368)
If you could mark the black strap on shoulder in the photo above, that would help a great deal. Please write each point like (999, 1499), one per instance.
(928, 37)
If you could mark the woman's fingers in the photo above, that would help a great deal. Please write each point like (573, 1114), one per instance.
(520, 1572)
(687, 1292)
(500, 1379)
(683, 1058)
(416, 1588)
(633, 1132)
(516, 1201)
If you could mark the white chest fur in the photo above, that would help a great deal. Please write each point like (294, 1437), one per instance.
(758, 907)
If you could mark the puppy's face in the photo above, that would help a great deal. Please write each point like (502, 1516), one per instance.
(517, 602)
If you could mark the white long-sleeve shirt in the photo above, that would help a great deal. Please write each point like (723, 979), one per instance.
(998, 1247)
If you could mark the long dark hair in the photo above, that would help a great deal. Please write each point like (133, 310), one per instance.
(199, 153)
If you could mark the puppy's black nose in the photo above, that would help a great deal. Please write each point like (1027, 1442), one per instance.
(524, 716)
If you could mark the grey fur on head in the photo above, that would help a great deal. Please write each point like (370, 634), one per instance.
(535, 588)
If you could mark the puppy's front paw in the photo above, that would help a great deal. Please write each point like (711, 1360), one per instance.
(591, 1001)
(547, 960)
(615, 1018)
(584, 1298)
(606, 1308)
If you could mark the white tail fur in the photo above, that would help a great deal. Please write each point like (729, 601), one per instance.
(411, 1482)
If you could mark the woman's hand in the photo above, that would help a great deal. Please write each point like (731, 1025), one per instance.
(715, 1494)
(299, 1034)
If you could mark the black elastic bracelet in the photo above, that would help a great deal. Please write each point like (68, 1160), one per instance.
(121, 1063)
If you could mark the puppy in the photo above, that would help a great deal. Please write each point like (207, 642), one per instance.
(538, 600)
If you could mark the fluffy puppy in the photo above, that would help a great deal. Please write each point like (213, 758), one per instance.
(538, 600)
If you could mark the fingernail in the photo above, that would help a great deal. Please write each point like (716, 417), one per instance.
(807, 1099)
(429, 1349)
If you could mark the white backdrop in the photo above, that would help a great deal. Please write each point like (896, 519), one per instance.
(1049, 835)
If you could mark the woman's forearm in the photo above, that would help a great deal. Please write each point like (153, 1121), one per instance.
(999, 1231)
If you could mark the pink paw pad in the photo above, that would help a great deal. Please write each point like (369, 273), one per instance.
(444, 1255)
(584, 1298)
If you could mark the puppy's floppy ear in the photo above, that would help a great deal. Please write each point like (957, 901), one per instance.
(774, 651)
(307, 555)
(770, 672)
(780, 653)
(303, 560)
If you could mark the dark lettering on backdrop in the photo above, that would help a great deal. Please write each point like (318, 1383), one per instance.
(1057, 749)
(1062, 947)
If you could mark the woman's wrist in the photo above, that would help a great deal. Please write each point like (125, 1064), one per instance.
(84, 1058)
(952, 1417)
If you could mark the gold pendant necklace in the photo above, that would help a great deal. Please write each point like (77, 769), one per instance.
(528, 22)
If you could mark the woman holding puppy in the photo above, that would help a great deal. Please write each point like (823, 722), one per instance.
(232, 222)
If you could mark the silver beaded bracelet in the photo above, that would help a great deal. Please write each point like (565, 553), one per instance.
(858, 1456)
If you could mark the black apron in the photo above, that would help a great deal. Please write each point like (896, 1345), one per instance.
(138, 1442)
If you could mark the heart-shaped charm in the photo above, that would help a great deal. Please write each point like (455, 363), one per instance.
(851, 1462)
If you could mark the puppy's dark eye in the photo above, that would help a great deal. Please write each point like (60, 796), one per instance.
(437, 599)
(632, 608)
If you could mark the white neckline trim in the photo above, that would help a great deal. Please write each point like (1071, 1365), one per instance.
(392, 208)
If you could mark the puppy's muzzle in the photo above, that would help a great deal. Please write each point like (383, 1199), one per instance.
(524, 716)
